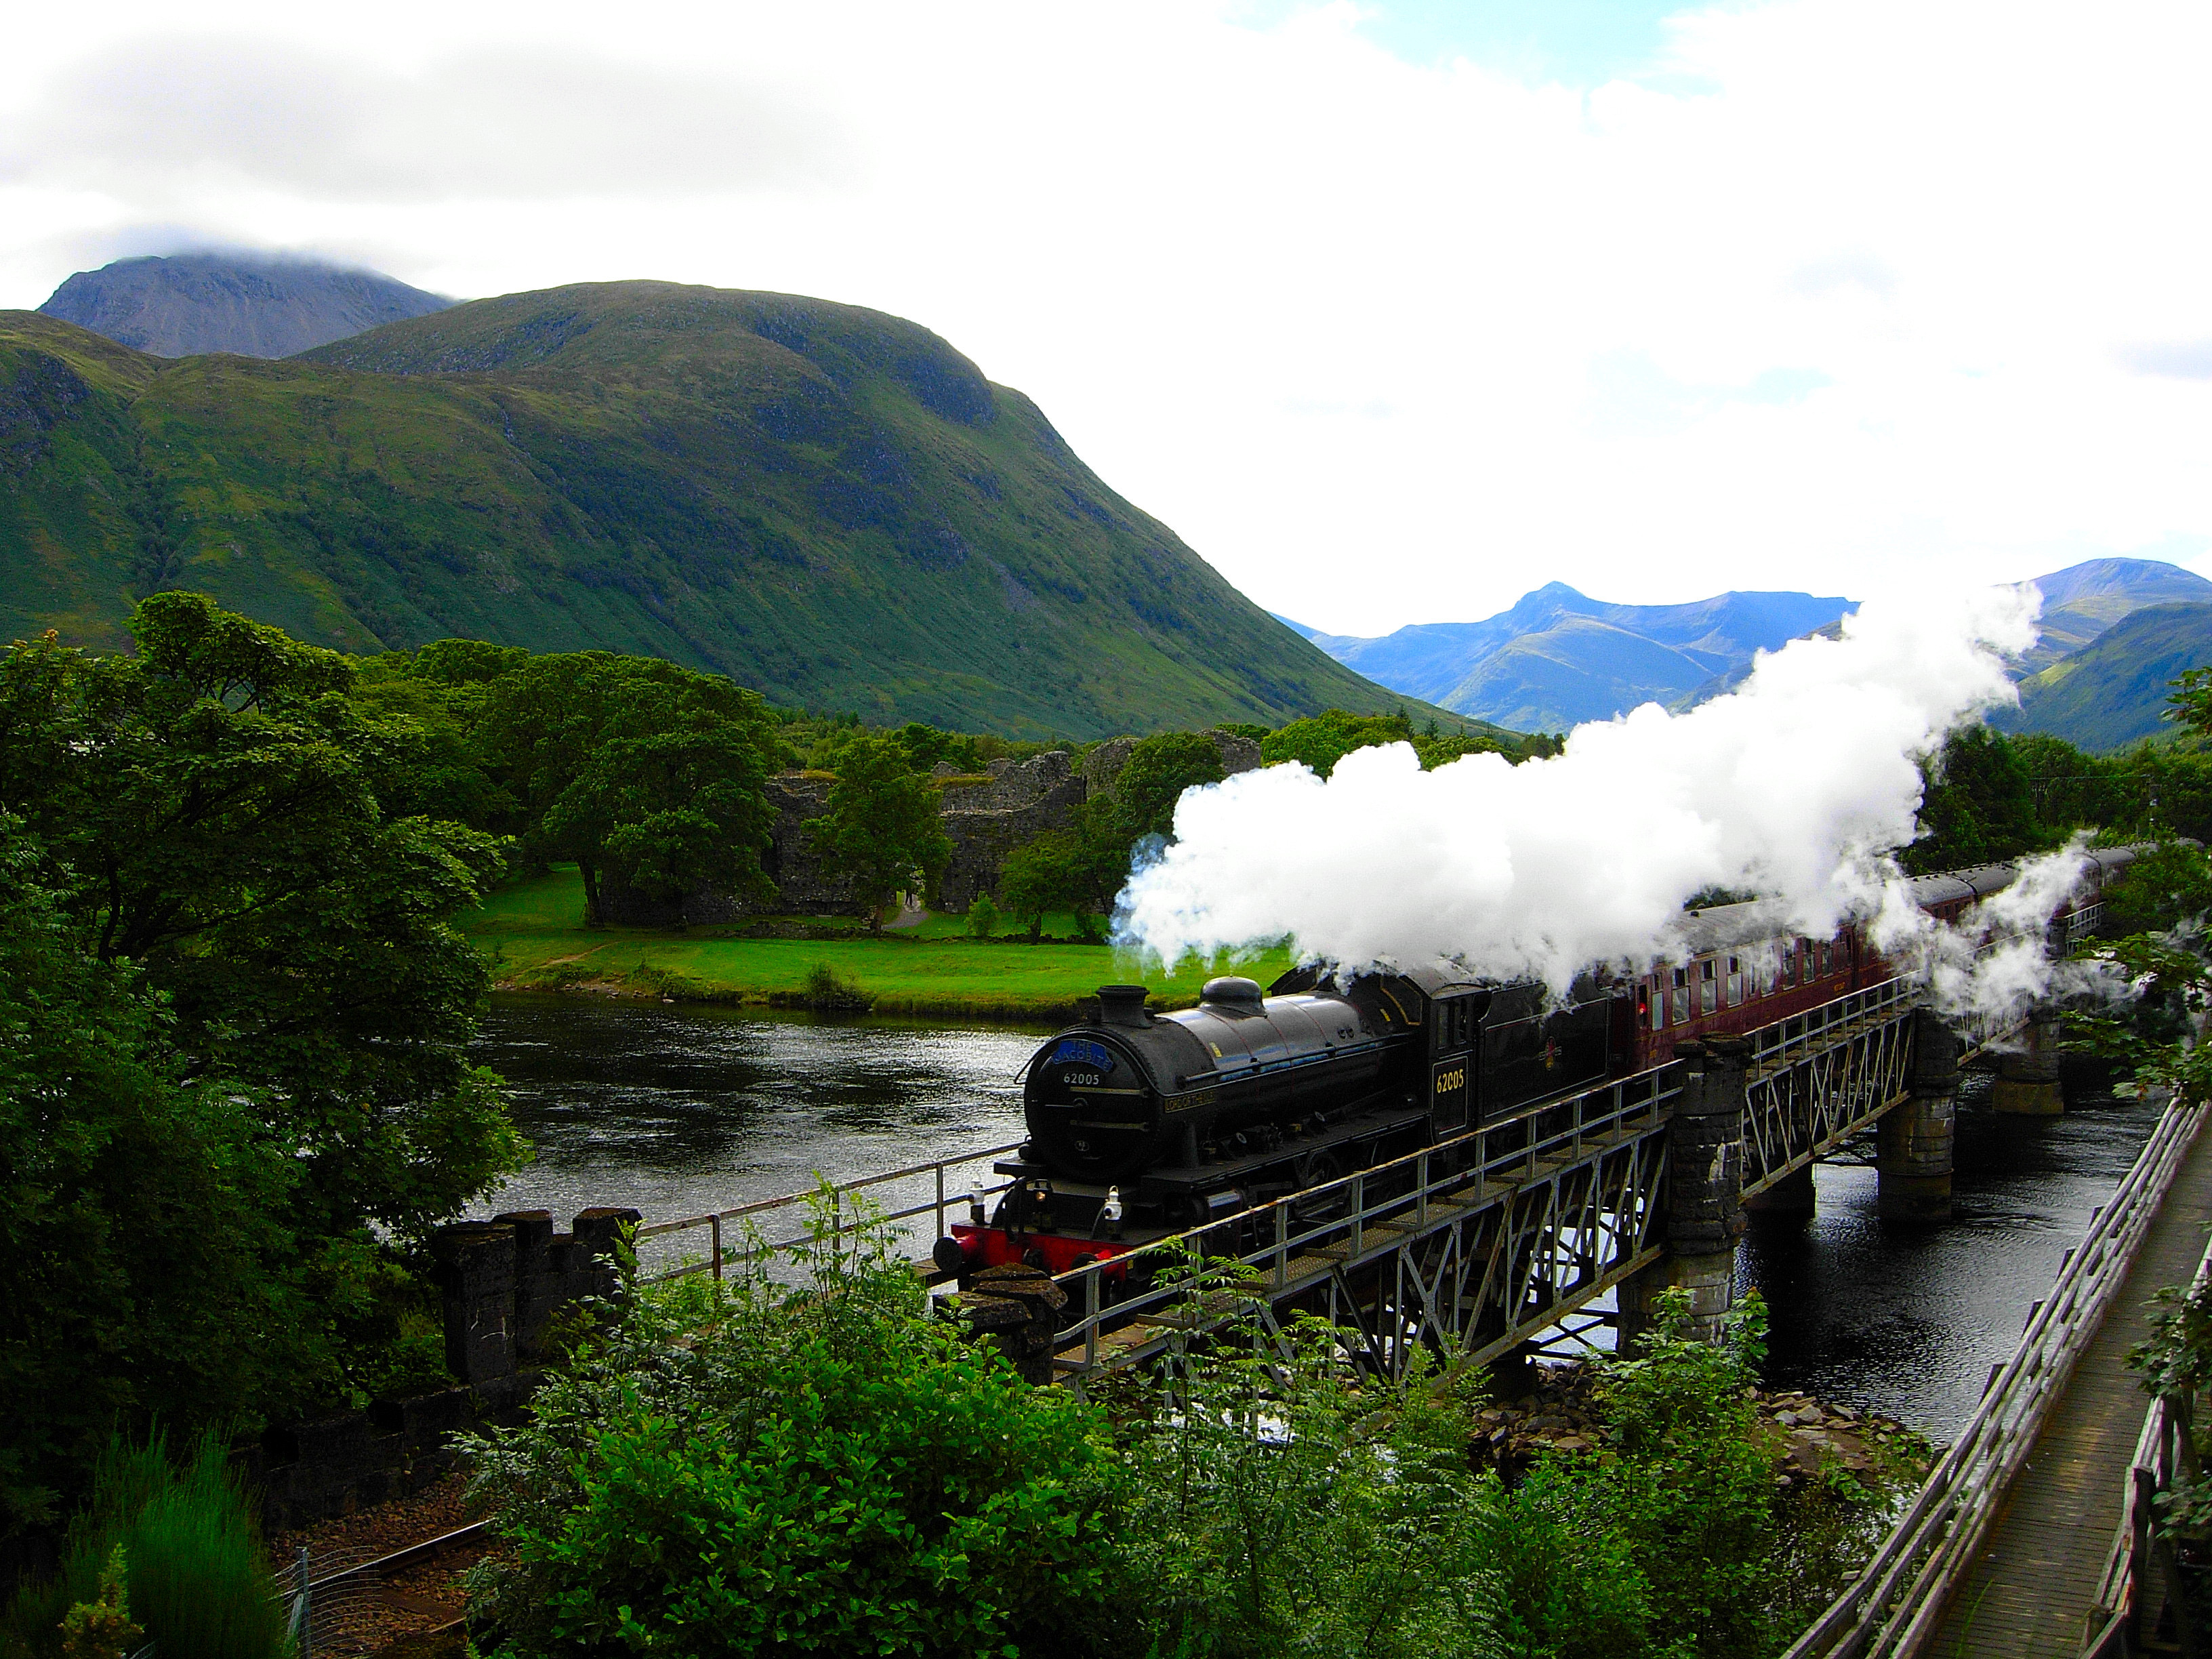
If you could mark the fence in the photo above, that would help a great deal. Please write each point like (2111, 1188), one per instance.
(1893, 1607)
(919, 1189)
(2128, 1594)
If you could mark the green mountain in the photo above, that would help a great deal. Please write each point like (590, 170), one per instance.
(2113, 691)
(2081, 601)
(826, 503)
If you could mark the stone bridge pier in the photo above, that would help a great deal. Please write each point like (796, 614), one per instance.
(1704, 1194)
(2028, 1074)
(1917, 1136)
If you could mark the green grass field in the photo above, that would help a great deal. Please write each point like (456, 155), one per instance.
(533, 931)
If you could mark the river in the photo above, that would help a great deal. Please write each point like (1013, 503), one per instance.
(677, 1109)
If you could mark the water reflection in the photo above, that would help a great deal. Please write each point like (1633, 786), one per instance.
(1909, 1320)
(676, 1110)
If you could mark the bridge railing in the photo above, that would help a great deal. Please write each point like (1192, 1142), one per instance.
(2139, 1567)
(898, 1197)
(1790, 1039)
(1352, 1214)
(1893, 1605)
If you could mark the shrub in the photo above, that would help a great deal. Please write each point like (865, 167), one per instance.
(1268, 1504)
(982, 917)
(1691, 1483)
(183, 1538)
(826, 988)
(743, 1468)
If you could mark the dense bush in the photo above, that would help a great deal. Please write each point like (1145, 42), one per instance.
(751, 1468)
(744, 1468)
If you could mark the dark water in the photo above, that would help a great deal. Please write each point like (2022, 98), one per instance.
(1908, 1320)
(676, 1109)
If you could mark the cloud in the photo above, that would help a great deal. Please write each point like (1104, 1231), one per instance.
(1831, 303)
(2179, 360)
(171, 118)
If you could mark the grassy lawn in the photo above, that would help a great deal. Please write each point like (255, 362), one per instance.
(534, 932)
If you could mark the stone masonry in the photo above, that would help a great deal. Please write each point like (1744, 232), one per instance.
(985, 817)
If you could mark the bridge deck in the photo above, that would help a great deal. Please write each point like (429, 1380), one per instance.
(2031, 1593)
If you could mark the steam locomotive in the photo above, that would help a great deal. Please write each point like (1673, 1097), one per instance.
(1142, 1125)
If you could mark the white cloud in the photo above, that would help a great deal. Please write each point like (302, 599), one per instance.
(1883, 272)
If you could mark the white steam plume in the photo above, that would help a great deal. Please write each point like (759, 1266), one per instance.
(1797, 786)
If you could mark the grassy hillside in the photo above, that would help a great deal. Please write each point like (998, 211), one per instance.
(2113, 691)
(827, 503)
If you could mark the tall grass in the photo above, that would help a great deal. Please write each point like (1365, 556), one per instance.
(195, 1577)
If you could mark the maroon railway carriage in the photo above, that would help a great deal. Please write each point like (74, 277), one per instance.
(1143, 1124)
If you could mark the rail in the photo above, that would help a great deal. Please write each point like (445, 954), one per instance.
(934, 1177)
(1334, 1226)
(2125, 1594)
(1893, 1607)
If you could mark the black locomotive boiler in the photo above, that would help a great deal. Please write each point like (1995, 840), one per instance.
(1142, 1124)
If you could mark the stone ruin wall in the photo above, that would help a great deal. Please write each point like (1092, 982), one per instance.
(985, 818)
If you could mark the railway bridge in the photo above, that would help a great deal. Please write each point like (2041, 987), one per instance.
(1512, 1238)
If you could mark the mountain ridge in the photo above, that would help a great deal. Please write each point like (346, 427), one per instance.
(1556, 657)
(251, 306)
(827, 503)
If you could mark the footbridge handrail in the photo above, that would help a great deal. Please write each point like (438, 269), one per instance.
(1893, 1607)
(2114, 1625)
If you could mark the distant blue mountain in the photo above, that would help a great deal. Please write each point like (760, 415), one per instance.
(1558, 658)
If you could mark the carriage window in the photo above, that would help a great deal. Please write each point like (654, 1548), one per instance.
(1735, 981)
(1708, 988)
(1824, 961)
(1682, 996)
(1655, 1000)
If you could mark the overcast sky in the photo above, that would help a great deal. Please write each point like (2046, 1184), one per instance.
(1393, 311)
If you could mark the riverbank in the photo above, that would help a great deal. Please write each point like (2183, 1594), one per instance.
(533, 931)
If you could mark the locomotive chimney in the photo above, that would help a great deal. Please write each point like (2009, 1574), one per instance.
(1122, 1005)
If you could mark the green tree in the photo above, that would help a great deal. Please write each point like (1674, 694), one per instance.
(880, 829)
(1153, 780)
(148, 1272)
(644, 773)
(1080, 869)
(1978, 805)
(1323, 739)
(212, 809)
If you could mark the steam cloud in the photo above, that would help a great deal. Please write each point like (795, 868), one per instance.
(1798, 786)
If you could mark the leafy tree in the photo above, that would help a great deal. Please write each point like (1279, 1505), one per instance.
(1978, 805)
(1081, 869)
(1267, 1504)
(147, 1270)
(1692, 1490)
(1243, 729)
(1154, 779)
(880, 829)
(926, 747)
(1323, 739)
(211, 809)
(747, 1468)
(642, 772)
(1326, 737)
